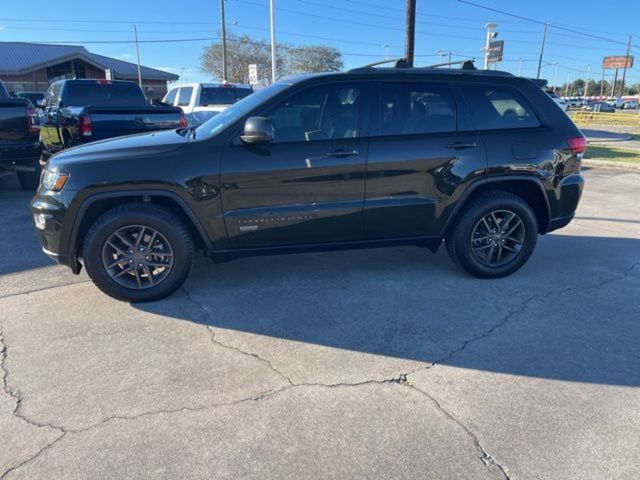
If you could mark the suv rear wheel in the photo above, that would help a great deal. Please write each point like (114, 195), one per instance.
(495, 236)
(138, 252)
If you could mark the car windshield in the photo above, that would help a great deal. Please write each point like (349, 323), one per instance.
(239, 109)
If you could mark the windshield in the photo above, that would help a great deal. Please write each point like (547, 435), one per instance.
(239, 109)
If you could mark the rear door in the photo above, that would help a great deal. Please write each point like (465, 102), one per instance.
(307, 186)
(418, 157)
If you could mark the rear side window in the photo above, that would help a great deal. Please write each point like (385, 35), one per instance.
(243, 92)
(217, 96)
(171, 97)
(414, 108)
(184, 97)
(497, 108)
(104, 95)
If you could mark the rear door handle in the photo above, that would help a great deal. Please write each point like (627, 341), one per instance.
(343, 153)
(462, 145)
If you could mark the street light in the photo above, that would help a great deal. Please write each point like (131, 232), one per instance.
(442, 53)
(520, 59)
(555, 76)
(586, 84)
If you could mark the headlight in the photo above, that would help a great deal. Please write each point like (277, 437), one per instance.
(54, 181)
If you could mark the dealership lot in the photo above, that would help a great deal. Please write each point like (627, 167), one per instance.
(386, 363)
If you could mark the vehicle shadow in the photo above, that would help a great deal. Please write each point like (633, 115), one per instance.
(571, 314)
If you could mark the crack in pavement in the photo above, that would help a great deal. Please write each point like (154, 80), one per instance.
(488, 460)
(214, 340)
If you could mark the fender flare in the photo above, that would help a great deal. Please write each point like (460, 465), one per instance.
(92, 199)
(495, 179)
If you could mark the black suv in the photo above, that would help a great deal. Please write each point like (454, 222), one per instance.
(368, 157)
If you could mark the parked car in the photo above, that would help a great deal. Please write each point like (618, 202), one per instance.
(630, 104)
(368, 157)
(19, 145)
(575, 102)
(201, 101)
(83, 111)
(561, 102)
(618, 103)
(36, 98)
(603, 107)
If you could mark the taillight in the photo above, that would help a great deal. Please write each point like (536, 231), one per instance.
(33, 124)
(84, 126)
(183, 120)
(577, 144)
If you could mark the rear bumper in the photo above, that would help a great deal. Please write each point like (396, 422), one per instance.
(567, 196)
(22, 158)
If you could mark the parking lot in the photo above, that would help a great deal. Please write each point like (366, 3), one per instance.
(384, 363)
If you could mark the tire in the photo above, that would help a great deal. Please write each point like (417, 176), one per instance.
(103, 244)
(30, 180)
(499, 254)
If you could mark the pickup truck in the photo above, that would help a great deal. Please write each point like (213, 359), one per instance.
(82, 111)
(19, 144)
(201, 101)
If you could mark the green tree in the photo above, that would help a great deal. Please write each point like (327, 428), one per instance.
(313, 58)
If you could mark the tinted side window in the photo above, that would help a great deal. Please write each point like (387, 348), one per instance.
(184, 98)
(498, 108)
(243, 92)
(217, 96)
(171, 97)
(318, 113)
(410, 108)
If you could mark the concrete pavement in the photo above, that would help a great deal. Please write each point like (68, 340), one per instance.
(385, 363)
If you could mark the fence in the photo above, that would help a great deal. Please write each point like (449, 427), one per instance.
(584, 119)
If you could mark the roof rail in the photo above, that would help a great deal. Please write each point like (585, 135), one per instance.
(397, 63)
(464, 64)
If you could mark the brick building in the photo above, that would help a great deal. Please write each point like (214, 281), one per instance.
(31, 67)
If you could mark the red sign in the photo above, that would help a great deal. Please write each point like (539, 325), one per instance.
(619, 61)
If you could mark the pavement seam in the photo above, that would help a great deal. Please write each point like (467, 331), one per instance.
(215, 341)
(43, 289)
(33, 457)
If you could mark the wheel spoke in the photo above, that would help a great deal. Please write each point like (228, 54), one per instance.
(115, 247)
(160, 254)
(497, 238)
(483, 247)
(507, 247)
(513, 229)
(151, 240)
(505, 223)
(116, 263)
(148, 273)
(499, 253)
(517, 241)
(139, 239)
(136, 269)
(122, 272)
(123, 239)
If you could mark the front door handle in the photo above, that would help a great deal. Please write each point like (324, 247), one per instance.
(343, 153)
(462, 145)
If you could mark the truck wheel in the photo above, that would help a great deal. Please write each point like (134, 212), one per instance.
(30, 180)
(138, 252)
(495, 235)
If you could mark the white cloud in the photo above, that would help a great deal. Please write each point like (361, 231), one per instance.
(127, 57)
(187, 74)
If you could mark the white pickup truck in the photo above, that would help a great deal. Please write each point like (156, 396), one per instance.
(201, 101)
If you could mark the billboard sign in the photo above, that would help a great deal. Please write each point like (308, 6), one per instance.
(496, 50)
(619, 61)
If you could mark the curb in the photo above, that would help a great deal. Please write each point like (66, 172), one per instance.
(630, 167)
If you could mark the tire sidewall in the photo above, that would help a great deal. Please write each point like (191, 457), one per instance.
(463, 252)
(105, 226)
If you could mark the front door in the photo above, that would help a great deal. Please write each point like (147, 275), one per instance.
(307, 186)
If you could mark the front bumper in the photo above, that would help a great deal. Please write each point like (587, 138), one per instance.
(49, 211)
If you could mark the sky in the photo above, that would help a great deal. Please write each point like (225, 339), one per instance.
(363, 30)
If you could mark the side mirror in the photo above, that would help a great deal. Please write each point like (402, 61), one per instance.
(258, 130)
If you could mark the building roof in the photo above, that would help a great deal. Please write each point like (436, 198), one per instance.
(17, 58)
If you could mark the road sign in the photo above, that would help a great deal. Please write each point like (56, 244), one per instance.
(618, 61)
(496, 50)
(253, 73)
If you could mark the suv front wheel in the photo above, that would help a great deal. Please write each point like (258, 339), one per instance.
(138, 252)
(495, 236)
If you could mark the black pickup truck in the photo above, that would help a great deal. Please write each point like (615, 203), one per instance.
(19, 145)
(82, 111)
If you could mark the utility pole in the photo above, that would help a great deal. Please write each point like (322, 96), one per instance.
(223, 31)
(442, 54)
(449, 58)
(487, 45)
(544, 41)
(602, 86)
(386, 51)
(586, 84)
(272, 17)
(135, 32)
(519, 65)
(410, 40)
(624, 72)
(566, 87)
(613, 87)
(555, 76)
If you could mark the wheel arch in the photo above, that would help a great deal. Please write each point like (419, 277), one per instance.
(528, 187)
(97, 204)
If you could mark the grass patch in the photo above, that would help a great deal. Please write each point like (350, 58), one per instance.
(611, 153)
